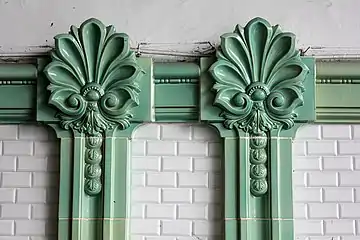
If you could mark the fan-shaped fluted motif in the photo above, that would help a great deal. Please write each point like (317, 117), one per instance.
(93, 78)
(93, 83)
(259, 84)
(259, 77)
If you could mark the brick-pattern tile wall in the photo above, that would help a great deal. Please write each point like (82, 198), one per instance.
(176, 188)
(326, 180)
(29, 165)
(176, 183)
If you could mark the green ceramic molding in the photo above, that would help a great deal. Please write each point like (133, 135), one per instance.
(259, 83)
(256, 91)
(176, 92)
(17, 80)
(338, 78)
(89, 90)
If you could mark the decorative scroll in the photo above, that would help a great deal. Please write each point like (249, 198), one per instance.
(93, 83)
(259, 84)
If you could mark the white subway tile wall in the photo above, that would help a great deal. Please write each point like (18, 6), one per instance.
(176, 183)
(29, 171)
(326, 179)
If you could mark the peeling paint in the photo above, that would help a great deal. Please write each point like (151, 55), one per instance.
(45, 46)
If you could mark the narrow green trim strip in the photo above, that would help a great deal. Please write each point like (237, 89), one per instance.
(17, 82)
(117, 191)
(175, 81)
(337, 69)
(78, 206)
(243, 192)
(230, 163)
(12, 71)
(281, 184)
(176, 70)
(337, 81)
(109, 191)
(338, 115)
(17, 115)
(176, 114)
(64, 211)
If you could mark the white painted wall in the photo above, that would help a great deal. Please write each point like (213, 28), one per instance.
(334, 24)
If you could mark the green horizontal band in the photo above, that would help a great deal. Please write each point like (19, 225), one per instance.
(176, 70)
(11, 71)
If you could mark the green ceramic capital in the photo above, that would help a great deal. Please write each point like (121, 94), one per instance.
(259, 77)
(93, 78)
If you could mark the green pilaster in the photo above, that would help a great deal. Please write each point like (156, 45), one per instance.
(116, 220)
(65, 215)
(90, 93)
(256, 92)
(281, 201)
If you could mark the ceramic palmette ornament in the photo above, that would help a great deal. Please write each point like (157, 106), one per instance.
(93, 83)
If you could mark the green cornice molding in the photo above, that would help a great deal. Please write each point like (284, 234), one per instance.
(337, 88)
(256, 90)
(332, 68)
(333, 76)
(176, 90)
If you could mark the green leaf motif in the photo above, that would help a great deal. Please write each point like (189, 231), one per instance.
(93, 78)
(258, 77)
(94, 86)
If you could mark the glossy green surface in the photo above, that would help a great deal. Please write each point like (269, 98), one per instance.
(256, 91)
(22, 72)
(176, 102)
(176, 88)
(93, 78)
(116, 203)
(17, 80)
(338, 78)
(94, 86)
(176, 70)
(259, 79)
